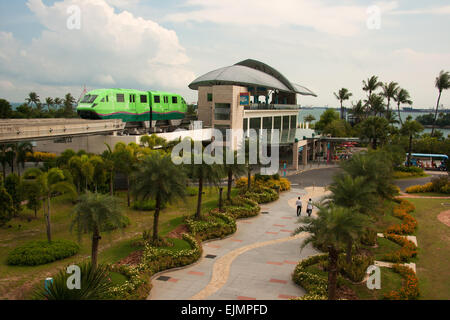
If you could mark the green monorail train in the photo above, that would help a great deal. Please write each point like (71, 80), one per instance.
(131, 105)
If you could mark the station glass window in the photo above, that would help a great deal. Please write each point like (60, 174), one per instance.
(267, 123)
(255, 123)
(209, 97)
(222, 111)
(277, 123)
(245, 125)
(143, 98)
(120, 97)
(157, 99)
(293, 122)
(174, 100)
(286, 123)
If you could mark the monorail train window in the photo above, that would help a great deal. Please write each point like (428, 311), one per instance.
(132, 98)
(120, 97)
(88, 98)
(174, 100)
(143, 99)
(157, 99)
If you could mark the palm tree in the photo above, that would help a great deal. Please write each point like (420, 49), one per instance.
(33, 98)
(343, 95)
(375, 104)
(371, 85)
(153, 141)
(442, 83)
(402, 97)
(374, 129)
(411, 128)
(83, 171)
(358, 111)
(389, 91)
(92, 214)
(57, 102)
(233, 170)
(51, 183)
(309, 118)
(356, 194)
(201, 171)
(68, 102)
(125, 158)
(49, 103)
(332, 229)
(108, 160)
(160, 179)
(22, 150)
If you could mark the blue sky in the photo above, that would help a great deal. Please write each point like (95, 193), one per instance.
(163, 45)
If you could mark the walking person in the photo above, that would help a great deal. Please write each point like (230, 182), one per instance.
(309, 208)
(299, 207)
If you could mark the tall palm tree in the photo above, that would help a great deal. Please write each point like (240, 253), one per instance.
(342, 95)
(82, 170)
(375, 104)
(108, 160)
(92, 214)
(57, 102)
(68, 102)
(371, 85)
(332, 229)
(402, 97)
(160, 179)
(356, 194)
(23, 148)
(374, 129)
(411, 128)
(442, 83)
(125, 158)
(358, 111)
(33, 98)
(389, 91)
(51, 183)
(232, 170)
(202, 172)
(49, 102)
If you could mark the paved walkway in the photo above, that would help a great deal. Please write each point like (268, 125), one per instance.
(254, 263)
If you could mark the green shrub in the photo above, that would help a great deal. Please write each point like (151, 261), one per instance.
(314, 285)
(356, 270)
(125, 222)
(440, 184)
(369, 238)
(94, 285)
(218, 225)
(191, 191)
(410, 169)
(145, 205)
(41, 252)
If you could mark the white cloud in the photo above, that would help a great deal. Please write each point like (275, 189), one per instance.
(444, 10)
(341, 19)
(109, 48)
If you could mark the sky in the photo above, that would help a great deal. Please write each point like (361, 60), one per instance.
(54, 47)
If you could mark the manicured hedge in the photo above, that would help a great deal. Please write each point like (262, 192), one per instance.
(41, 252)
(219, 225)
(408, 249)
(315, 286)
(410, 288)
(409, 223)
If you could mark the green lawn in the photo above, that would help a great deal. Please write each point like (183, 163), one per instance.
(433, 237)
(430, 194)
(16, 281)
(389, 281)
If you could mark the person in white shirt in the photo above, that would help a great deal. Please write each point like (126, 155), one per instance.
(309, 208)
(299, 207)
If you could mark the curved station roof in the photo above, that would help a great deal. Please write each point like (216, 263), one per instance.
(250, 73)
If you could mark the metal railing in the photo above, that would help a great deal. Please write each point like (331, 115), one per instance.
(265, 106)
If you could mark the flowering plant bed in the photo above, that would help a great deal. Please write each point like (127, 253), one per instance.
(410, 287)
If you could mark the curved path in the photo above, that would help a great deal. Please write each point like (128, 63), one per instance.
(254, 263)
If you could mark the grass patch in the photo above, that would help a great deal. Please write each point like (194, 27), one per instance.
(433, 262)
(389, 281)
(430, 194)
(384, 246)
(117, 278)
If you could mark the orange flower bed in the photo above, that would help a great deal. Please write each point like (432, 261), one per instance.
(408, 249)
(410, 288)
(409, 223)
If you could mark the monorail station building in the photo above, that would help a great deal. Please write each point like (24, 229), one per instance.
(253, 95)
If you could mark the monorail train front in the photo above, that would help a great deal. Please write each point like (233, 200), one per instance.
(86, 108)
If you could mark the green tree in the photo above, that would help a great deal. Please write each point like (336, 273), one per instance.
(371, 85)
(33, 194)
(5, 109)
(411, 129)
(49, 102)
(33, 98)
(358, 111)
(332, 229)
(51, 183)
(309, 118)
(69, 102)
(22, 149)
(442, 83)
(6, 206)
(375, 129)
(389, 91)
(158, 178)
(402, 97)
(82, 170)
(326, 118)
(108, 160)
(4, 158)
(13, 186)
(234, 169)
(202, 172)
(342, 95)
(92, 214)
(375, 104)
(153, 141)
(124, 161)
